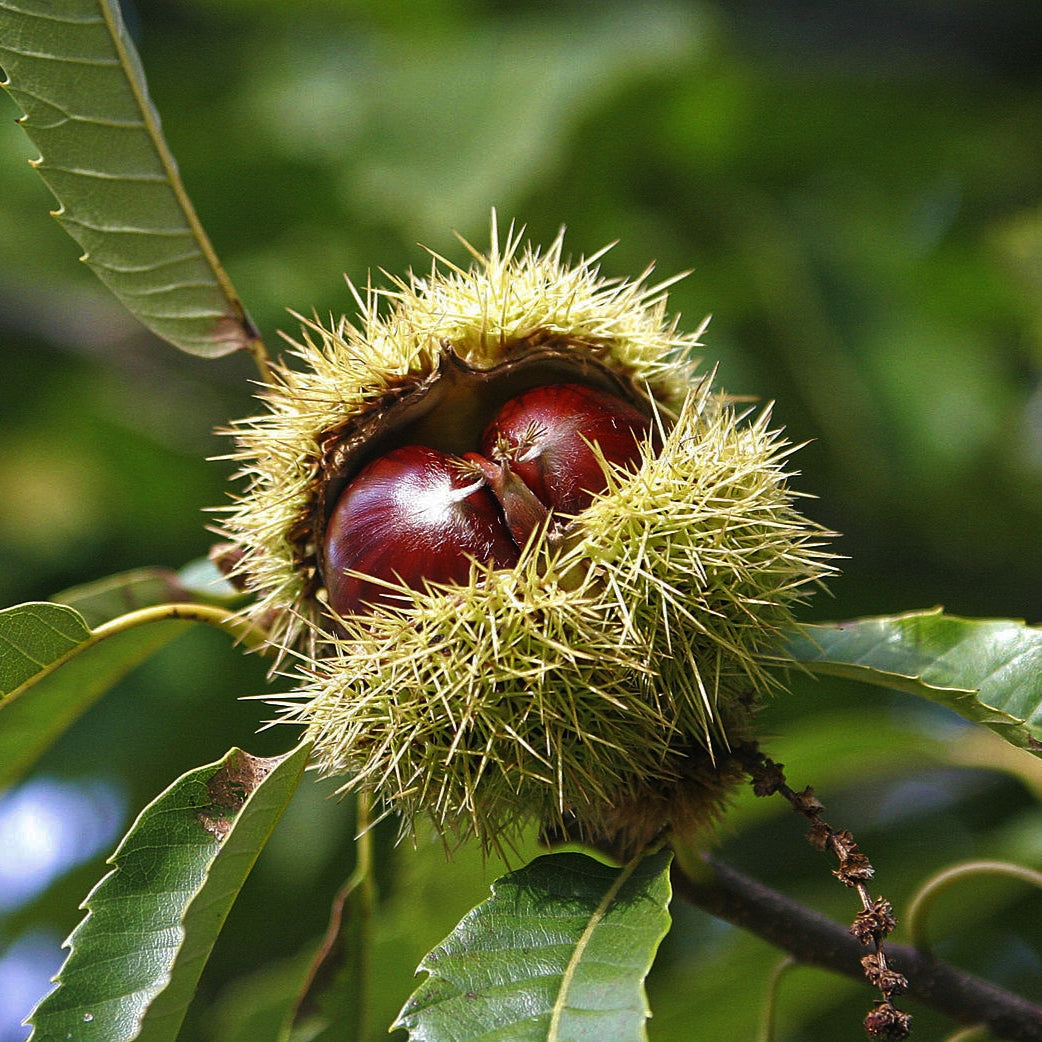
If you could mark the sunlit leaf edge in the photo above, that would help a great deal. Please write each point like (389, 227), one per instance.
(35, 638)
(73, 70)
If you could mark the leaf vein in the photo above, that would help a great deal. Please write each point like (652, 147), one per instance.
(19, 650)
(141, 269)
(127, 229)
(64, 59)
(171, 287)
(101, 175)
(70, 116)
(62, 19)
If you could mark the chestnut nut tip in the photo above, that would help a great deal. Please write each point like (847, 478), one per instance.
(416, 515)
(547, 436)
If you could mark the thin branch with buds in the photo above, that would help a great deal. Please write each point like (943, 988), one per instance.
(815, 940)
(876, 919)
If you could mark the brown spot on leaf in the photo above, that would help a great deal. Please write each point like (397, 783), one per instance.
(229, 788)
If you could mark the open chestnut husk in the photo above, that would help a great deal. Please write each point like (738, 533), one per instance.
(571, 614)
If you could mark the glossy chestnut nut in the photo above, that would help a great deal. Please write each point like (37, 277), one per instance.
(416, 515)
(545, 435)
(410, 517)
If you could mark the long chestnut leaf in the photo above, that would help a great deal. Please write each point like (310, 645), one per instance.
(73, 70)
(987, 670)
(560, 951)
(135, 959)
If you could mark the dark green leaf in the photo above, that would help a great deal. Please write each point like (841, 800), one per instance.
(38, 701)
(987, 670)
(135, 959)
(560, 951)
(73, 70)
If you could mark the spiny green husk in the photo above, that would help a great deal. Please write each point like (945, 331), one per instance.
(598, 687)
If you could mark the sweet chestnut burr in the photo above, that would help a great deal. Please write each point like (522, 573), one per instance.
(534, 568)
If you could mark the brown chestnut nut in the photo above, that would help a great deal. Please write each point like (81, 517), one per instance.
(409, 517)
(546, 437)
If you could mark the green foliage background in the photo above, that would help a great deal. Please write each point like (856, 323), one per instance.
(859, 196)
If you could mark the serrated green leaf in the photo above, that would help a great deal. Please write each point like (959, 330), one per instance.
(73, 70)
(136, 957)
(38, 701)
(987, 670)
(559, 952)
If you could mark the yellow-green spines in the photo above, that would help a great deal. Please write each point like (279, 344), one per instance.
(597, 687)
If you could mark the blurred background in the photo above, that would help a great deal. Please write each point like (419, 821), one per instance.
(857, 193)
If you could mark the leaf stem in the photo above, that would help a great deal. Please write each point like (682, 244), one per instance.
(977, 1033)
(342, 962)
(363, 880)
(244, 631)
(918, 910)
(770, 1002)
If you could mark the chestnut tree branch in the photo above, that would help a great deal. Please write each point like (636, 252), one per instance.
(816, 940)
